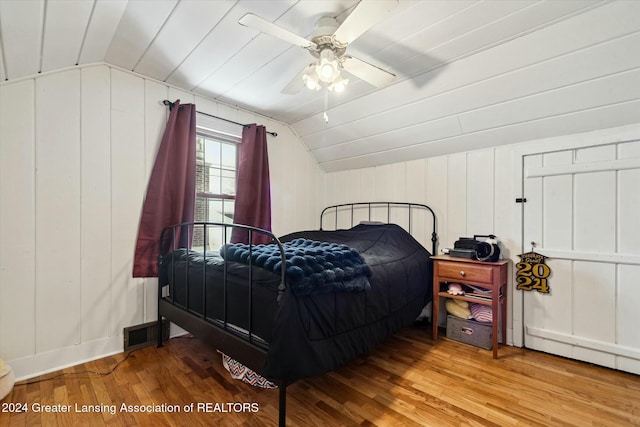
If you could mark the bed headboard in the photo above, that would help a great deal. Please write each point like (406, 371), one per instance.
(404, 214)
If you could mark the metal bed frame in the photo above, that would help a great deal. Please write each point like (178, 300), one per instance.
(213, 330)
(351, 207)
(242, 346)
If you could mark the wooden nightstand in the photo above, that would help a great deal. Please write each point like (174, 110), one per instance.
(487, 275)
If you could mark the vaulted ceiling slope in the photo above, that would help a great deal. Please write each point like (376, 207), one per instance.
(469, 74)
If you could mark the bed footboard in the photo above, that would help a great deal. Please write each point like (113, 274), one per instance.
(190, 257)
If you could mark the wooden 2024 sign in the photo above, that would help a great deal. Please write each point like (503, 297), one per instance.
(532, 273)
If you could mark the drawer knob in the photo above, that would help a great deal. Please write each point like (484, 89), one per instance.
(462, 273)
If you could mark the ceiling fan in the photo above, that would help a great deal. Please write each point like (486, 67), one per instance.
(328, 44)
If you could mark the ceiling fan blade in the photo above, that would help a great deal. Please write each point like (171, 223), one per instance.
(369, 73)
(366, 14)
(264, 26)
(295, 85)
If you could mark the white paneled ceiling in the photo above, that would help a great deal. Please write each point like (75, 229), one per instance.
(469, 74)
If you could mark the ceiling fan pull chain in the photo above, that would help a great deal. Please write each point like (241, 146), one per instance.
(326, 104)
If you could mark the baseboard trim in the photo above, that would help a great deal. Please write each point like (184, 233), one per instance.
(588, 343)
(51, 361)
(54, 360)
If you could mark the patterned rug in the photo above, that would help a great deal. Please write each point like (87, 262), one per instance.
(241, 372)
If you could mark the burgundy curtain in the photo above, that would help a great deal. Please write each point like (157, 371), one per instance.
(253, 192)
(171, 190)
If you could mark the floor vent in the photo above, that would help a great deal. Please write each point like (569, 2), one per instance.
(139, 336)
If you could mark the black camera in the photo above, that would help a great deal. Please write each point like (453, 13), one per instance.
(472, 248)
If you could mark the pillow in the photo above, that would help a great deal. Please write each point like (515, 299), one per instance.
(457, 310)
(461, 303)
(481, 312)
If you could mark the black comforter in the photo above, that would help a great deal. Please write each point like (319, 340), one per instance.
(308, 335)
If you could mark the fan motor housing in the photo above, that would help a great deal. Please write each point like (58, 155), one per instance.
(326, 26)
(327, 42)
(323, 37)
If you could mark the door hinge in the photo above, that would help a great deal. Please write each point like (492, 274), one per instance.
(521, 200)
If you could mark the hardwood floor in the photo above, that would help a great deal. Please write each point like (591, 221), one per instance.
(406, 381)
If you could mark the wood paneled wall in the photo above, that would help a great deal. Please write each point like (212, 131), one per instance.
(76, 150)
(468, 191)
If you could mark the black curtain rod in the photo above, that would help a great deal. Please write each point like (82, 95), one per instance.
(171, 104)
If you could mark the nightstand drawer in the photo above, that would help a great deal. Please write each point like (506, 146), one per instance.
(456, 271)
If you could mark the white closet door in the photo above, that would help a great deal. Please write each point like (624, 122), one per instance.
(582, 211)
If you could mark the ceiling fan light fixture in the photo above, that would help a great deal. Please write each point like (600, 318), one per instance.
(327, 68)
(310, 79)
(338, 84)
(327, 55)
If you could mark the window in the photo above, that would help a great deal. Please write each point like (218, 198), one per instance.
(216, 164)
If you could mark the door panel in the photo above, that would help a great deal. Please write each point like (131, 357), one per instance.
(594, 301)
(629, 223)
(628, 304)
(557, 212)
(595, 212)
(581, 211)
